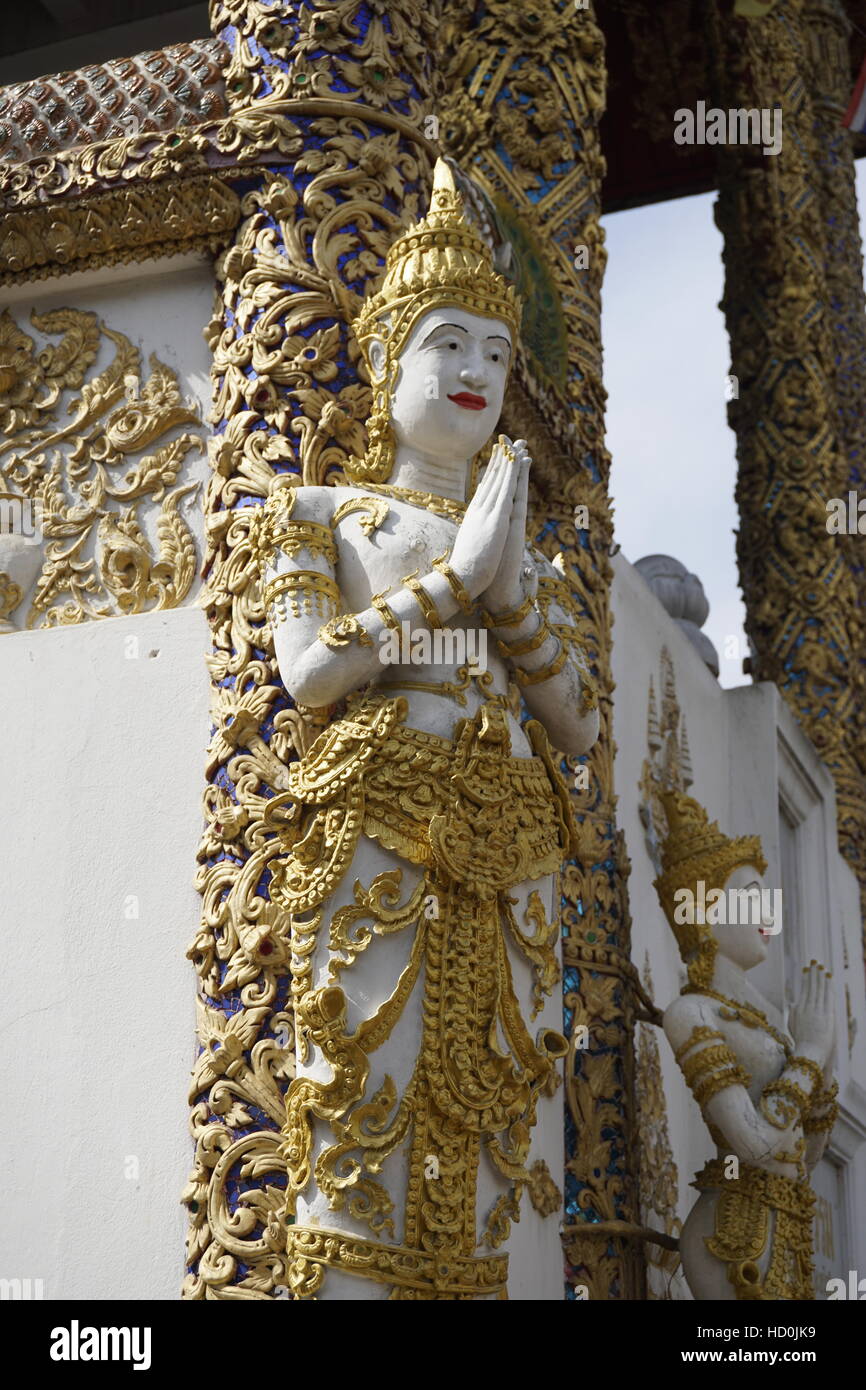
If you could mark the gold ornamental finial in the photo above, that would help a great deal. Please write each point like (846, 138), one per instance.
(440, 261)
(694, 850)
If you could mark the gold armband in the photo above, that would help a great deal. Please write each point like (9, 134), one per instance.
(273, 529)
(704, 1091)
(423, 599)
(300, 586)
(823, 1101)
(340, 631)
(553, 668)
(455, 584)
(707, 1060)
(508, 619)
(698, 1035)
(386, 613)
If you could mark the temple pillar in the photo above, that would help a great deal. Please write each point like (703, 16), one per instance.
(346, 86)
(793, 292)
(524, 95)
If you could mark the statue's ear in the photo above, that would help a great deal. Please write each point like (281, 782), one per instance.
(376, 356)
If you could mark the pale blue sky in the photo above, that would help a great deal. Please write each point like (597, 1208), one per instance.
(666, 358)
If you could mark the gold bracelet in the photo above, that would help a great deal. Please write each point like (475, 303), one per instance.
(455, 584)
(423, 599)
(821, 1123)
(386, 613)
(791, 1103)
(811, 1069)
(552, 669)
(527, 644)
(508, 619)
(342, 630)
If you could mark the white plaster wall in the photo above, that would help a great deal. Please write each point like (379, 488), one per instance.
(745, 745)
(102, 768)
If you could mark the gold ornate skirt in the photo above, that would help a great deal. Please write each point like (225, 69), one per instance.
(478, 822)
(756, 1208)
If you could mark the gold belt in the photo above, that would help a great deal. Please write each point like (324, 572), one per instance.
(742, 1230)
(465, 806)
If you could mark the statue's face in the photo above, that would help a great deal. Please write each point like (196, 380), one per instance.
(745, 941)
(450, 383)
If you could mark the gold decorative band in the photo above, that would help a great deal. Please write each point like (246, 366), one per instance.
(553, 668)
(424, 601)
(303, 585)
(527, 644)
(292, 537)
(811, 1069)
(311, 1250)
(698, 1035)
(708, 1086)
(455, 584)
(386, 612)
(508, 619)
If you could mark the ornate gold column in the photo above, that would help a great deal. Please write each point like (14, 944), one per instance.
(525, 91)
(791, 302)
(333, 95)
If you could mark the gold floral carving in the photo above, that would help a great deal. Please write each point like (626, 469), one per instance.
(90, 466)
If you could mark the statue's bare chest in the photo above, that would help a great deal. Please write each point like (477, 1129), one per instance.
(380, 541)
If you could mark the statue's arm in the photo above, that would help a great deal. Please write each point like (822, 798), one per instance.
(324, 652)
(720, 1084)
(547, 654)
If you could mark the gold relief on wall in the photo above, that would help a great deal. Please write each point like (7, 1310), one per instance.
(89, 457)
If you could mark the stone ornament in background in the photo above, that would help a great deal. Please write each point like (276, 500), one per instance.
(87, 456)
(681, 594)
(766, 1093)
(423, 832)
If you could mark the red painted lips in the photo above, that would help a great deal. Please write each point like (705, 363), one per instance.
(468, 400)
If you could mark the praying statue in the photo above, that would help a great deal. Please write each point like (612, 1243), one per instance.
(766, 1092)
(424, 830)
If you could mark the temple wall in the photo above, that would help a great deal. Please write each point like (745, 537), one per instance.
(748, 758)
(105, 724)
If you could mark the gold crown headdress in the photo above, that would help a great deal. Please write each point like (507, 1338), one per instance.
(693, 851)
(440, 261)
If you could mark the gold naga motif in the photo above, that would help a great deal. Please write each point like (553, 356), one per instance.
(88, 466)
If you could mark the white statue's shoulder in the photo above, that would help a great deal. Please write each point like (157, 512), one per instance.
(303, 503)
(687, 1013)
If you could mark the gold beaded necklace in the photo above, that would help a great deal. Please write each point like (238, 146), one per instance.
(756, 1019)
(448, 507)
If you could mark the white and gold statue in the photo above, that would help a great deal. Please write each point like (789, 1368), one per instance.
(766, 1093)
(425, 828)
